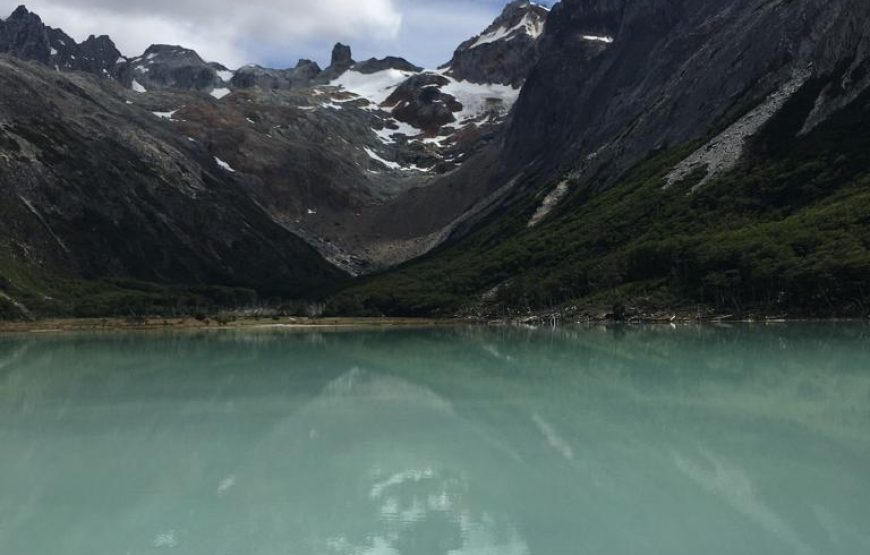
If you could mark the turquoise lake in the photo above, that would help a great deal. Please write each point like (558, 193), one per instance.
(737, 440)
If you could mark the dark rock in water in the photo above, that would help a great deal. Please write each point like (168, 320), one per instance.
(506, 51)
(420, 102)
(374, 65)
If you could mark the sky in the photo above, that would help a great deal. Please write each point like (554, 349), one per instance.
(275, 33)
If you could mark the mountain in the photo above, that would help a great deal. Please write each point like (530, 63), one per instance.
(165, 179)
(99, 196)
(604, 157)
(24, 36)
(164, 66)
(506, 51)
(667, 154)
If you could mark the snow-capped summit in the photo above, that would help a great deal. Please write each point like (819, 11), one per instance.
(453, 110)
(506, 50)
(518, 19)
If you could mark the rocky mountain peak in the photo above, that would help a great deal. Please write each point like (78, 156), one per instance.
(307, 68)
(341, 56)
(166, 66)
(21, 13)
(23, 35)
(175, 53)
(373, 65)
(506, 51)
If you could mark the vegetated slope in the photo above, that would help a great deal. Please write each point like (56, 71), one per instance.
(97, 195)
(786, 231)
(617, 80)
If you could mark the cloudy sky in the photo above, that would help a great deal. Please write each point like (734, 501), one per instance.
(275, 32)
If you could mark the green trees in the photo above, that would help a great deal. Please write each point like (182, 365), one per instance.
(786, 231)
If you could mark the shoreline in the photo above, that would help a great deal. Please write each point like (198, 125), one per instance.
(72, 325)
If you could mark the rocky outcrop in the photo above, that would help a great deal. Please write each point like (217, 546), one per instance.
(96, 55)
(25, 36)
(506, 51)
(341, 56)
(341, 61)
(164, 66)
(420, 102)
(373, 65)
(276, 79)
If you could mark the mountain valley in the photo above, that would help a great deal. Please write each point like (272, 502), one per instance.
(603, 157)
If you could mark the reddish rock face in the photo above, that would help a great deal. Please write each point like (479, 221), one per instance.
(419, 102)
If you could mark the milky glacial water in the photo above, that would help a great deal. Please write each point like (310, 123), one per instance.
(466, 441)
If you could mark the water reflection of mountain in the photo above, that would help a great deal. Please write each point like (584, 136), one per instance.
(462, 441)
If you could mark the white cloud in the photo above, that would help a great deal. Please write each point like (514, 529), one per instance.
(275, 32)
(222, 30)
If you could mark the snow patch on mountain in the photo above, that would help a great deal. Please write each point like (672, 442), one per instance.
(480, 99)
(598, 38)
(529, 25)
(375, 87)
(165, 115)
(374, 156)
(387, 134)
(224, 165)
(476, 99)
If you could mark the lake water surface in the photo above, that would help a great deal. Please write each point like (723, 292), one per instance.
(656, 441)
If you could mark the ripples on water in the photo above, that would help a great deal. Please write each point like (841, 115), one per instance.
(470, 441)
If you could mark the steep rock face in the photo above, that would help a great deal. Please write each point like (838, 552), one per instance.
(97, 55)
(342, 56)
(618, 79)
(621, 80)
(340, 61)
(25, 36)
(94, 187)
(506, 51)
